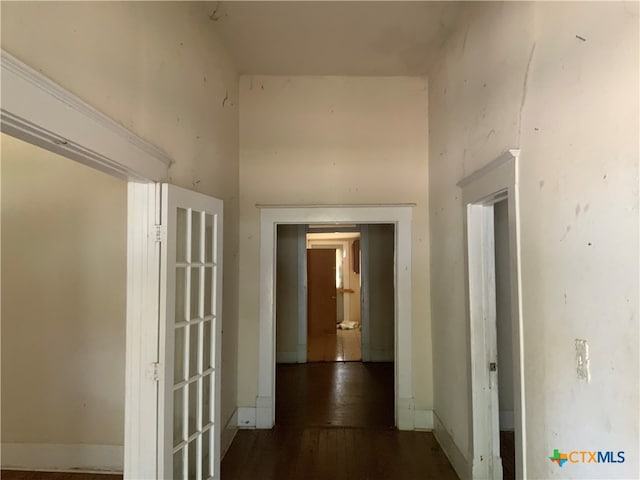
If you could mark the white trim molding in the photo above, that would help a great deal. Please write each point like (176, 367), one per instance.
(229, 433)
(270, 217)
(495, 182)
(423, 419)
(39, 111)
(459, 460)
(246, 417)
(141, 389)
(63, 457)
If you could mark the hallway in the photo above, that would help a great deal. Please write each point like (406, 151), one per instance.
(335, 421)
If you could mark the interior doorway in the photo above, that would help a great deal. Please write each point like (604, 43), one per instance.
(335, 384)
(333, 297)
(271, 218)
(503, 338)
(490, 197)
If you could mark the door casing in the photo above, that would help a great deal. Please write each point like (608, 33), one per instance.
(480, 191)
(273, 215)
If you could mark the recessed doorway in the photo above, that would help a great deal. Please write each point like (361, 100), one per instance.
(333, 297)
(400, 338)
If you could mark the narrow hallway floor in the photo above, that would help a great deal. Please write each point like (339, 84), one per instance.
(335, 421)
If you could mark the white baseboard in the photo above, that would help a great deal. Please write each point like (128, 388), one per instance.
(423, 420)
(246, 417)
(229, 433)
(302, 353)
(506, 421)
(264, 412)
(63, 457)
(286, 357)
(460, 463)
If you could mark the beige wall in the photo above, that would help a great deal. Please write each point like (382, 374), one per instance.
(381, 240)
(287, 284)
(516, 75)
(63, 299)
(159, 69)
(332, 140)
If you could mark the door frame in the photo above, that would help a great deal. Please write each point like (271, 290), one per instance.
(495, 182)
(273, 215)
(302, 345)
(38, 111)
(343, 246)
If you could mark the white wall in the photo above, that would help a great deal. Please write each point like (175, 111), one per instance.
(159, 69)
(332, 140)
(64, 249)
(516, 75)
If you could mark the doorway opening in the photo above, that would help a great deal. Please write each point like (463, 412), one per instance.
(343, 277)
(503, 337)
(333, 297)
(497, 398)
(273, 216)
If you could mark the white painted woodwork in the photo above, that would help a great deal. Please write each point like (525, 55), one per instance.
(141, 389)
(480, 190)
(270, 217)
(189, 432)
(72, 458)
(38, 111)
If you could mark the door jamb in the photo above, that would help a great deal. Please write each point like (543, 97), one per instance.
(302, 294)
(365, 331)
(496, 181)
(270, 217)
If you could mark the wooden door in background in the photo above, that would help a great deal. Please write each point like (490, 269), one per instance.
(321, 297)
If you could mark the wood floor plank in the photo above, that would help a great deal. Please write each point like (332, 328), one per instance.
(30, 475)
(334, 421)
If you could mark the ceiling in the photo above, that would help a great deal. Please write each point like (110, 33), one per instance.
(376, 38)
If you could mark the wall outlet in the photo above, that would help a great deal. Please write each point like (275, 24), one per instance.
(582, 360)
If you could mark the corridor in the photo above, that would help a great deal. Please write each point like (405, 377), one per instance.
(335, 421)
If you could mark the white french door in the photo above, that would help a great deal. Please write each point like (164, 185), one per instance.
(189, 335)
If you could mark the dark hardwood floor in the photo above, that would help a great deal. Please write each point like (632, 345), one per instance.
(508, 454)
(334, 421)
(320, 453)
(22, 475)
(352, 394)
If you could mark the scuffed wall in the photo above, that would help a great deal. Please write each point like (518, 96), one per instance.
(158, 69)
(560, 82)
(332, 140)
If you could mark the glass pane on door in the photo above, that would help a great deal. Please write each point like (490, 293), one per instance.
(194, 323)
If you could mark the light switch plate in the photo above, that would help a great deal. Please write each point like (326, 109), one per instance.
(582, 360)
